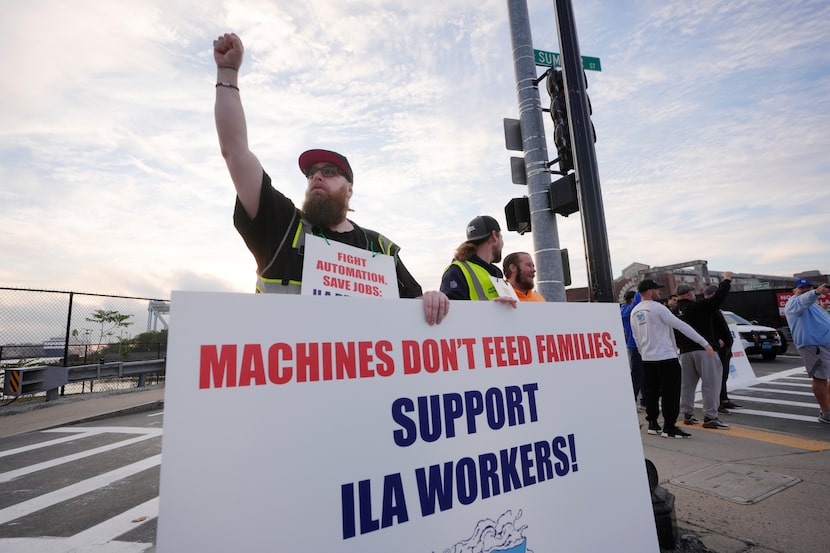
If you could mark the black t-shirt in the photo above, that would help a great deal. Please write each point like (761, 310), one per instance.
(272, 232)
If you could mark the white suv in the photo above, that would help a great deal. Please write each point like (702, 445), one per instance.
(757, 339)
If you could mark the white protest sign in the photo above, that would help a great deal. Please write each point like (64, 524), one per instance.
(332, 268)
(382, 433)
(741, 374)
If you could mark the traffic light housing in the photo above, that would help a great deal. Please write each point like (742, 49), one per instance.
(561, 122)
(559, 114)
(566, 266)
(517, 214)
(563, 196)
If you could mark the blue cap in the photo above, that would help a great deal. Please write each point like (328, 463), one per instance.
(802, 282)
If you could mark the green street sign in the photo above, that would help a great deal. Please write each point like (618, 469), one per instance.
(552, 59)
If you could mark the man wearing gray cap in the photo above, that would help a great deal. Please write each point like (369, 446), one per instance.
(810, 326)
(652, 324)
(698, 366)
(273, 228)
(471, 273)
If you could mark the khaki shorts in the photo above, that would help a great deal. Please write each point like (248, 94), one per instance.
(816, 361)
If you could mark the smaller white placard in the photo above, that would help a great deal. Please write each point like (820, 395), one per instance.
(504, 288)
(335, 269)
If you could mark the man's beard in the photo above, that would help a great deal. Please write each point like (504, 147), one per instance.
(496, 256)
(326, 210)
(524, 280)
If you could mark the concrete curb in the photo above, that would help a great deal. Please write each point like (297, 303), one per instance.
(150, 406)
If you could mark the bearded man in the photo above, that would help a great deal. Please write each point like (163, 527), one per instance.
(473, 274)
(519, 271)
(270, 224)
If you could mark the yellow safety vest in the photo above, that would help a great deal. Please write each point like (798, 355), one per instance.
(479, 283)
(289, 277)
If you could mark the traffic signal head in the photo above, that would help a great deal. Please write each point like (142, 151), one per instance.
(563, 196)
(559, 114)
(517, 213)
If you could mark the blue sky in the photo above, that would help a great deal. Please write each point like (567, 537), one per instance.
(712, 122)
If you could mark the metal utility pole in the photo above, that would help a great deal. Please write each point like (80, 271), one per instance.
(595, 234)
(549, 273)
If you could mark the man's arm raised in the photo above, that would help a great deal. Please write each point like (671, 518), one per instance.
(244, 167)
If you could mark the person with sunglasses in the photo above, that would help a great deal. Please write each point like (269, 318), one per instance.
(271, 225)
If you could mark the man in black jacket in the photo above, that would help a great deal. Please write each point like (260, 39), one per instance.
(725, 340)
(696, 365)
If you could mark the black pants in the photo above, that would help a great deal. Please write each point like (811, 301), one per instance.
(662, 383)
(725, 354)
(636, 363)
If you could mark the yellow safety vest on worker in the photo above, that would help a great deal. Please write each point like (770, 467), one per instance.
(479, 283)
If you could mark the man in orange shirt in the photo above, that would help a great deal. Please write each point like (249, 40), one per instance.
(519, 271)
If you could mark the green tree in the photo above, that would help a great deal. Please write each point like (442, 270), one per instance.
(154, 342)
(109, 322)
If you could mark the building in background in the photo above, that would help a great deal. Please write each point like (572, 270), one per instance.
(755, 297)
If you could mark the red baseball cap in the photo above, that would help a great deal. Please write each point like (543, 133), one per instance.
(310, 157)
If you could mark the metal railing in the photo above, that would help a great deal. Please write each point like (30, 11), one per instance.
(17, 382)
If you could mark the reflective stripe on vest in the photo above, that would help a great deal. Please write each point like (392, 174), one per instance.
(479, 284)
(277, 286)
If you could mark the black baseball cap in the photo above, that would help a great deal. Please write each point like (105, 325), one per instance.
(648, 284)
(481, 227)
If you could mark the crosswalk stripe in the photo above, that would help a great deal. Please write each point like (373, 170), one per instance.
(782, 374)
(74, 490)
(772, 401)
(787, 383)
(12, 474)
(110, 529)
(77, 433)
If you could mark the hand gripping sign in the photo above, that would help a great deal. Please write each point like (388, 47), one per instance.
(336, 269)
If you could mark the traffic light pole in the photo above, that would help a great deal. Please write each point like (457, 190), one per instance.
(549, 273)
(595, 233)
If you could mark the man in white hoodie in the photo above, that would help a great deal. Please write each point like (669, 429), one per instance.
(652, 325)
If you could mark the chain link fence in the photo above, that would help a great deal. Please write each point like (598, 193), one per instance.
(48, 327)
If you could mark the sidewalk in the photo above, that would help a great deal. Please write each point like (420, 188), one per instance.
(736, 490)
(40, 415)
(746, 489)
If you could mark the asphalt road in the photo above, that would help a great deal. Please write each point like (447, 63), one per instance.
(75, 486)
